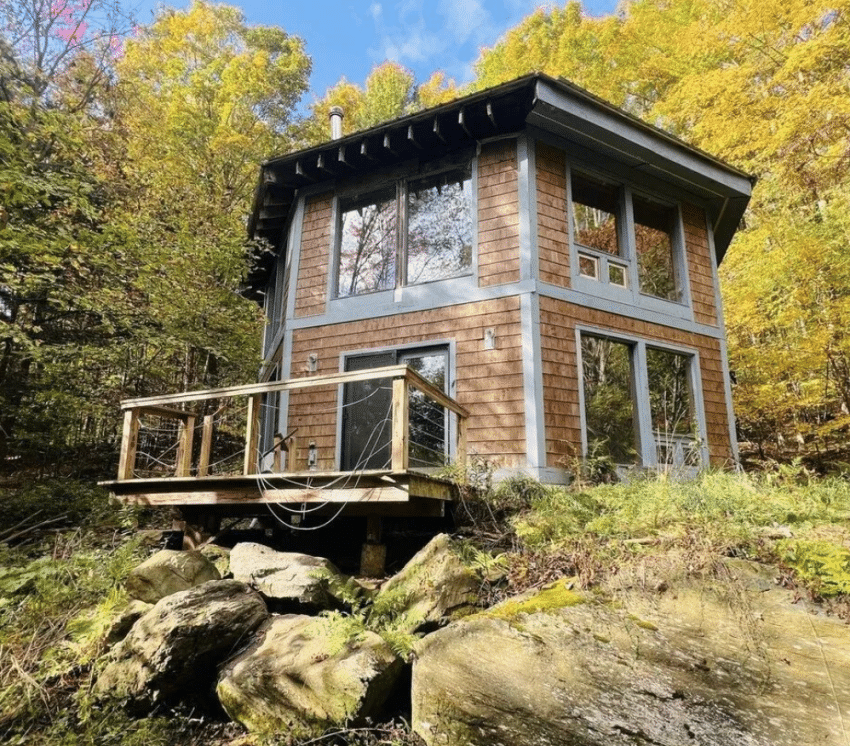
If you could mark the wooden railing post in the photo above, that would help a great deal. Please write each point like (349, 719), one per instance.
(293, 454)
(183, 467)
(460, 448)
(401, 425)
(206, 445)
(252, 433)
(129, 439)
(279, 449)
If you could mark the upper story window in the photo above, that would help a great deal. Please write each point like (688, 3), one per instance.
(654, 247)
(413, 231)
(640, 254)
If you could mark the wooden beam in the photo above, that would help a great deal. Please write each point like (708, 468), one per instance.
(460, 447)
(401, 425)
(224, 496)
(129, 440)
(340, 156)
(491, 115)
(432, 392)
(252, 434)
(177, 414)
(388, 143)
(411, 138)
(461, 120)
(364, 151)
(206, 445)
(437, 132)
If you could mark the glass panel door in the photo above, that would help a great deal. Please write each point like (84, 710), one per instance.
(367, 416)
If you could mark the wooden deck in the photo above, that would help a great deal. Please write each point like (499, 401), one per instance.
(374, 492)
(182, 474)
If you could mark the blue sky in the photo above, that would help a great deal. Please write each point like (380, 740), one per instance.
(349, 37)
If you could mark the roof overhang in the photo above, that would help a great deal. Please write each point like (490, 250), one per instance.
(570, 113)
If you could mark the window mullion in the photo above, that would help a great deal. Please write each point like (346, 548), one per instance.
(627, 239)
(643, 415)
(401, 237)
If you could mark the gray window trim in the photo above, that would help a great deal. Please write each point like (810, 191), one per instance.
(644, 437)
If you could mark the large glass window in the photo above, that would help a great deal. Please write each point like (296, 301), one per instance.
(422, 225)
(654, 421)
(595, 208)
(671, 407)
(605, 250)
(439, 226)
(367, 244)
(654, 249)
(609, 411)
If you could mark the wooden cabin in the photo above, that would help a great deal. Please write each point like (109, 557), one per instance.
(527, 275)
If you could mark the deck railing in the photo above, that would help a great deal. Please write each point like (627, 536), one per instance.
(214, 415)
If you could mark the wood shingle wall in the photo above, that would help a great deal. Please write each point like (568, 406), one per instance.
(498, 214)
(700, 262)
(315, 257)
(489, 382)
(552, 237)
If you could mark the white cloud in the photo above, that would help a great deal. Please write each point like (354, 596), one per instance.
(467, 21)
(377, 12)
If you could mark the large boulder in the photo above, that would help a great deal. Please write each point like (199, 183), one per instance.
(305, 674)
(173, 650)
(289, 578)
(167, 572)
(724, 661)
(434, 586)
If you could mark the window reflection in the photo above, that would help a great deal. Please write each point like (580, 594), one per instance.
(594, 208)
(671, 407)
(609, 411)
(654, 248)
(368, 236)
(439, 226)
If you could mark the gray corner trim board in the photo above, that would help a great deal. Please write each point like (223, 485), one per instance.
(529, 260)
(532, 381)
(724, 354)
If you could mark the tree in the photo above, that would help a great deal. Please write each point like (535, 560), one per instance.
(764, 86)
(124, 191)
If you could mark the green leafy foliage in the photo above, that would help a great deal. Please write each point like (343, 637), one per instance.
(762, 85)
(822, 565)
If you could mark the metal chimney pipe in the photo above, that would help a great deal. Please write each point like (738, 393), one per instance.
(336, 115)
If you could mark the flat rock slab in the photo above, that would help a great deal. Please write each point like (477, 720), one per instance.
(172, 651)
(169, 571)
(306, 674)
(714, 663)
(286, 577)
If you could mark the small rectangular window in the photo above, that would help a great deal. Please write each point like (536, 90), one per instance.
(654, 248)
(616, 274)
(595, 208)
(588, 266)
(367, 245)
(439, 226)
